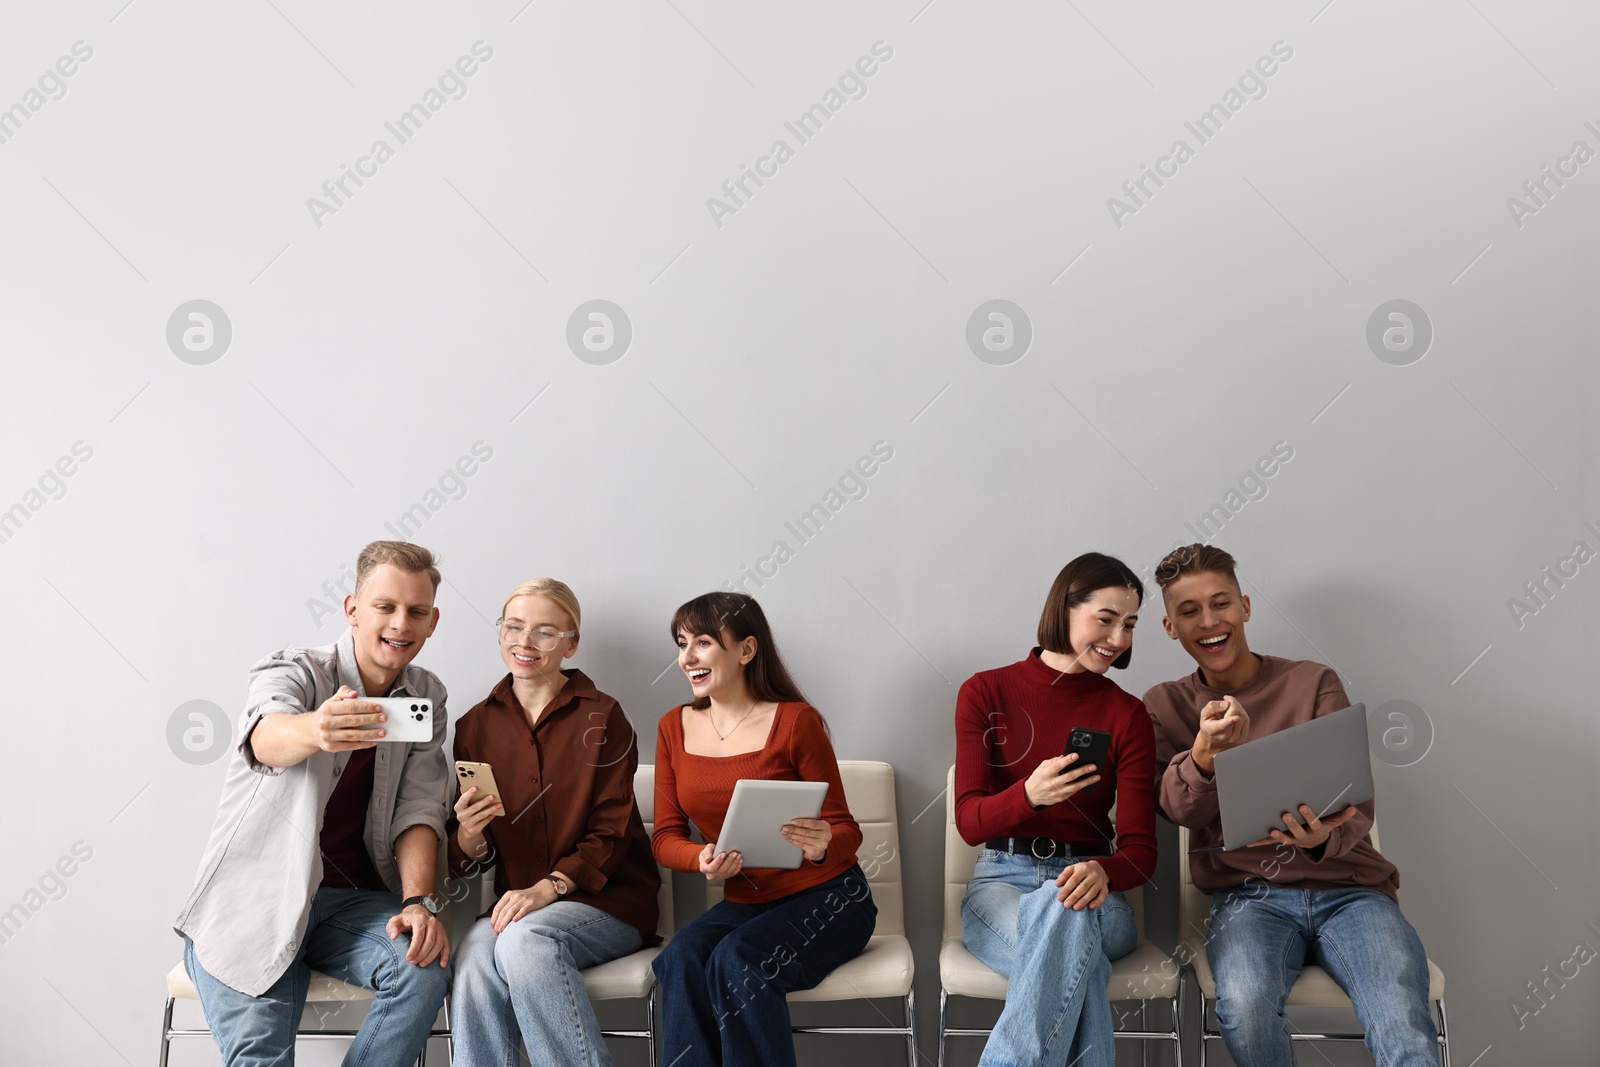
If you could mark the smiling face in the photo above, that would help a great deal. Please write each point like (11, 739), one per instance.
(1101, 629)
(716, 670)
(1206, 613)
(534, 613)
(391, 615)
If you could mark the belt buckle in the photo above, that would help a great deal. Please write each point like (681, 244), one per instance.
(1033, 847)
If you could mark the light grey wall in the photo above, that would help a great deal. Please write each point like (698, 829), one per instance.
(771, 348)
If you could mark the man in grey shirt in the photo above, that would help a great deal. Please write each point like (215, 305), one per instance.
(322, 831)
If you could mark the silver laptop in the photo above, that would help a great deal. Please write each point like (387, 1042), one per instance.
(1324, 764)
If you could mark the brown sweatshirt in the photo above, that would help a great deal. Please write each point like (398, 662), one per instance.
(1285, 693)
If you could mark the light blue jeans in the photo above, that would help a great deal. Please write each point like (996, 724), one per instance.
(1262, 935)
(345, 938)
(1058, 962)
(525, 982)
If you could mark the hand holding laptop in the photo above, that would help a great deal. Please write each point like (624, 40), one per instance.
(1313, 833)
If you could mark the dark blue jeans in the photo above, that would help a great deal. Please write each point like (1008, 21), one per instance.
(724, 976)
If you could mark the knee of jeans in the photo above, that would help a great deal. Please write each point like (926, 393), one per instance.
(1247, 991)
(735, 952)
(528, 941)
(682, 955)
(424, 984)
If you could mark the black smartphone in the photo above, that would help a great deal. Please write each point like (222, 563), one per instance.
(1092, 746)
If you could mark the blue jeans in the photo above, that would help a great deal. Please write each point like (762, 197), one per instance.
(524, 982)
(1262, 935)
(1058, 961)
(344, 938)
(724, 976)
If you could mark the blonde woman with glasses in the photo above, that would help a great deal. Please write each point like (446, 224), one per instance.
(575, 882)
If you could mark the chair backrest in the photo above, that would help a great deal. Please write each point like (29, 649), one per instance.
(869, 794)
(1194, 908)
(644, 796)
(960, 858)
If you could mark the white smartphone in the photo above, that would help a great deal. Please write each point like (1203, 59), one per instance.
(471, 774)
(410, 718)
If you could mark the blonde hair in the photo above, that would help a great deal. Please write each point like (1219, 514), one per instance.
(403, 554)
(550, 589)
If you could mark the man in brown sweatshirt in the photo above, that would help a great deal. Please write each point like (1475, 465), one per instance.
(1318, 891)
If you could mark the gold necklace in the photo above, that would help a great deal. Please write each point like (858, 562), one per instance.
(724, 736)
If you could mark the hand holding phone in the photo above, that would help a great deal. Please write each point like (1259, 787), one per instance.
(1092, 747)
(479, 802)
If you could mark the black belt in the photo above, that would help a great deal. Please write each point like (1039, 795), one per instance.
(1044, 848)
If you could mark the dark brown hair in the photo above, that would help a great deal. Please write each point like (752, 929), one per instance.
(1195, 559)
(742, 617)
(1077, 582)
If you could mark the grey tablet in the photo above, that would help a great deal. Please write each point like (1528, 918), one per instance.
(1323, 764)
(757, 812)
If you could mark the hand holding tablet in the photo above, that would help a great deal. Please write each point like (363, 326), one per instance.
(763, 830)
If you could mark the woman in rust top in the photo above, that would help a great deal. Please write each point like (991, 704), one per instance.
(725, 974)
(575, 882)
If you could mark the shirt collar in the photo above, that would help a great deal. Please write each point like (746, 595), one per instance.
(578, 687)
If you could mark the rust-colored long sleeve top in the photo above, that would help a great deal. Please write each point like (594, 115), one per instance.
(697, 789)
(567, 787)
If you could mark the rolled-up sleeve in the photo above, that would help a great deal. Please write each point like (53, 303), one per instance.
(423, 796)
(282, 682)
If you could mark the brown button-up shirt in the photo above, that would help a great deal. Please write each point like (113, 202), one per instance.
(567, 787)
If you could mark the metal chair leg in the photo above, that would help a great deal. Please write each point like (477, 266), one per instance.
(1144, 1024)
(943, 1004)
(1444, 1038)
(1177, 1026)
(450, 1035)
(1203, 1024)
(166, 1032)
(650, 1023)
(911, 1027)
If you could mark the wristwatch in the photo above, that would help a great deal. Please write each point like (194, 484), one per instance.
(559, 882)
(429, 902)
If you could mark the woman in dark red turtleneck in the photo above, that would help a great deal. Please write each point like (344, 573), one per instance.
(1045, 905)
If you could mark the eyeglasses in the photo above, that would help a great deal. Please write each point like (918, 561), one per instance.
(512, 633)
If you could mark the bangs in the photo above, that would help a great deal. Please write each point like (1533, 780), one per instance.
(706, 614)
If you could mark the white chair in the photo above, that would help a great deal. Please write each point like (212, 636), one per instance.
(630, 978)
(1315, 988)
(1143, 975)
(885, 968)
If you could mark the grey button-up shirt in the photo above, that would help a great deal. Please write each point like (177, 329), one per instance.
(252, 897)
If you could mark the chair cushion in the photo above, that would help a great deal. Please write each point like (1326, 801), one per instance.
(1146, 973)
(1315, 988)
(322, 987)
(622, 979)
(884, 969)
